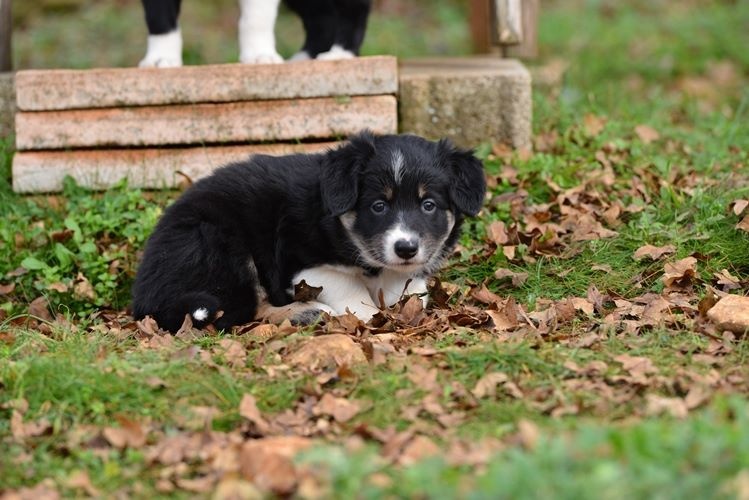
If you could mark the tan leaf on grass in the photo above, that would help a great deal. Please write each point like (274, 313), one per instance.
(639, 367)
(528, 433)
(419, 448)
(79, 480)
(593, 125)
(58, 287)
(341, 409)
(647, 134)
(423, 377)
(202, 484)
(739, 206)
(744, 224)
(487, 385)
(130, 434)
(517, 278)
(234, 352)
(729, 281)
(658, 405)
(497, 232)
(681, 273)
(325, 350)
(268, 462)
(39, 308)
(484, 295)
(83, 289)
(22, 430)
(249, 410)
(506, 316)
(653, 252)
(412, 311)
(236, 489)
(45, 490)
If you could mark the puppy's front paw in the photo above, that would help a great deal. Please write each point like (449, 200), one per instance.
(302, 55)
(261, 58)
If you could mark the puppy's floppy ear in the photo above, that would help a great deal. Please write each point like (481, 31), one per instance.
(339, 182)
(469, 184)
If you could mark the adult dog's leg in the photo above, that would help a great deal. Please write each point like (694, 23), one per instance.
(350, 28)
(257, 42)
(164, 37)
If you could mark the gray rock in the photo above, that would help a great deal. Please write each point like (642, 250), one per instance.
(469, 100)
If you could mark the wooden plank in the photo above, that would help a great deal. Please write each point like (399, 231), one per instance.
(528, 47)
(479, 18)
(44, 171)
(260, 121)
(41, 90)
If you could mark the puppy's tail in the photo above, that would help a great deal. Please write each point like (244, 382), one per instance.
(201, 306)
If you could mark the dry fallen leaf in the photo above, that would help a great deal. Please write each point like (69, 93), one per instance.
(249, 410)
(487, 385)
(39, 308)
(130, 434)
(646, 133)
(306, 293)
(743, 224)
(681, 273)
(341, 409)
(739, 206)
(593, 125)
(233, 352)
(517, 278)
(325, 350)
(653, 252)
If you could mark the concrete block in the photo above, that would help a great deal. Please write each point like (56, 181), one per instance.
(257, 121)
(43, 90)
(44, 171)
(7, 104)
(469, 100)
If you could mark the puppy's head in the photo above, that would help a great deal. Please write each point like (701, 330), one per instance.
(402, 198)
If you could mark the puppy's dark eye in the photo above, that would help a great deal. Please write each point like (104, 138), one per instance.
(379, 207)
(428, 205)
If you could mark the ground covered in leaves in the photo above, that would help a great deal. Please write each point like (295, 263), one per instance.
(571, 349)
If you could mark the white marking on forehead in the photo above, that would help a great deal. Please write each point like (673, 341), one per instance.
(397, 165)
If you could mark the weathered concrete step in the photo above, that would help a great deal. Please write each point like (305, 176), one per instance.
(41, 90)
(7, 104)
(44, 171)
(258, 121)
(469, 100)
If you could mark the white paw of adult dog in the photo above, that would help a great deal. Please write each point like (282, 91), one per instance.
(164, 51)
(261, 58)
(335, 53)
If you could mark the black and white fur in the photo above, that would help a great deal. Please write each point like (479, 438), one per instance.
(373, 218)
(334, 30)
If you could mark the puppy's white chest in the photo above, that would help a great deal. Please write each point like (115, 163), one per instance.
(349, 288)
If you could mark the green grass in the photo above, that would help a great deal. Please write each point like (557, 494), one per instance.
(628, 63)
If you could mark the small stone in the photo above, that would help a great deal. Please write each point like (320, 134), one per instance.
(731, 313)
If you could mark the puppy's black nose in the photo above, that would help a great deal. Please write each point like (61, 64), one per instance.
(405, 249)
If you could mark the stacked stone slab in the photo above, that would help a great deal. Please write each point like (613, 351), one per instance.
(161, 127)
(157, 127)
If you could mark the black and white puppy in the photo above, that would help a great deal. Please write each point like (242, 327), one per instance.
(372, 219)
(334, 30)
